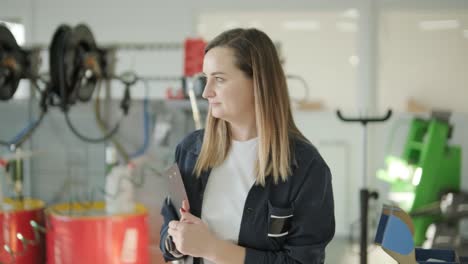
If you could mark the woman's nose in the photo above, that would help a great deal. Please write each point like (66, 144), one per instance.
(208, 91)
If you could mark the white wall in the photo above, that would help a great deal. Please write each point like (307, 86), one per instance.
(427, 65)
(312, 45)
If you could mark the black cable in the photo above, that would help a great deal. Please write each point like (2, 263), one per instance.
(110, 134)
(125, 105)
(44, 94)
(103, 126)
(65, 105)
(35, 82)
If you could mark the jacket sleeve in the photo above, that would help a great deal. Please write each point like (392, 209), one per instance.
(169, 214)
(313, 224)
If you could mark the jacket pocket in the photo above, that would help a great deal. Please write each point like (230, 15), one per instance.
(279, 220)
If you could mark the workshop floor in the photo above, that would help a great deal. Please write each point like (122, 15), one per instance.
(340, 251)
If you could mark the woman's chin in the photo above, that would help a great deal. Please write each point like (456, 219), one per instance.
(217, 114)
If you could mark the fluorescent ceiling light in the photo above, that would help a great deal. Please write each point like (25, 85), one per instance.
(301, 25)
(432, 25)
(352, 13)
(346, 26)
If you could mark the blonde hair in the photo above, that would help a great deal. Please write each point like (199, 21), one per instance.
(255, 55)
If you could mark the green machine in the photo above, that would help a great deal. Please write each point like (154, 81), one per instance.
(428, 168)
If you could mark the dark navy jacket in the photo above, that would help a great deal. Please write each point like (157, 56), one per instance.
(288, 222)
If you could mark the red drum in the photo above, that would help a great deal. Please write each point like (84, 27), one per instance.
(83, 233)
(15, 219)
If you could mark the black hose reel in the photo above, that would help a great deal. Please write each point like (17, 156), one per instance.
(14, 64)
(77, 66)
(17, 63)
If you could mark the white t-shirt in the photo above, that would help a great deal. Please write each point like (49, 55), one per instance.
(227, 190)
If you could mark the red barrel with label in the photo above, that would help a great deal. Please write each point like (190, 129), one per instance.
(25, 243)
(82, 233)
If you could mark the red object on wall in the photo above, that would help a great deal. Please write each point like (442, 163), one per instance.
(194, 52)
(15, 218)
(87, 235)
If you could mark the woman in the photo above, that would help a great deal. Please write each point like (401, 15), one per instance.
(258, 191)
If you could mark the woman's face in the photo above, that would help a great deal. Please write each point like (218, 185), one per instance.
(228, 90)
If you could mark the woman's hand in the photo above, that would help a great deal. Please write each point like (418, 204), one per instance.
(184, 209)
(192, 236)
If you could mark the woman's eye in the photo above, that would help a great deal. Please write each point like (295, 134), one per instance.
(219, 79)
